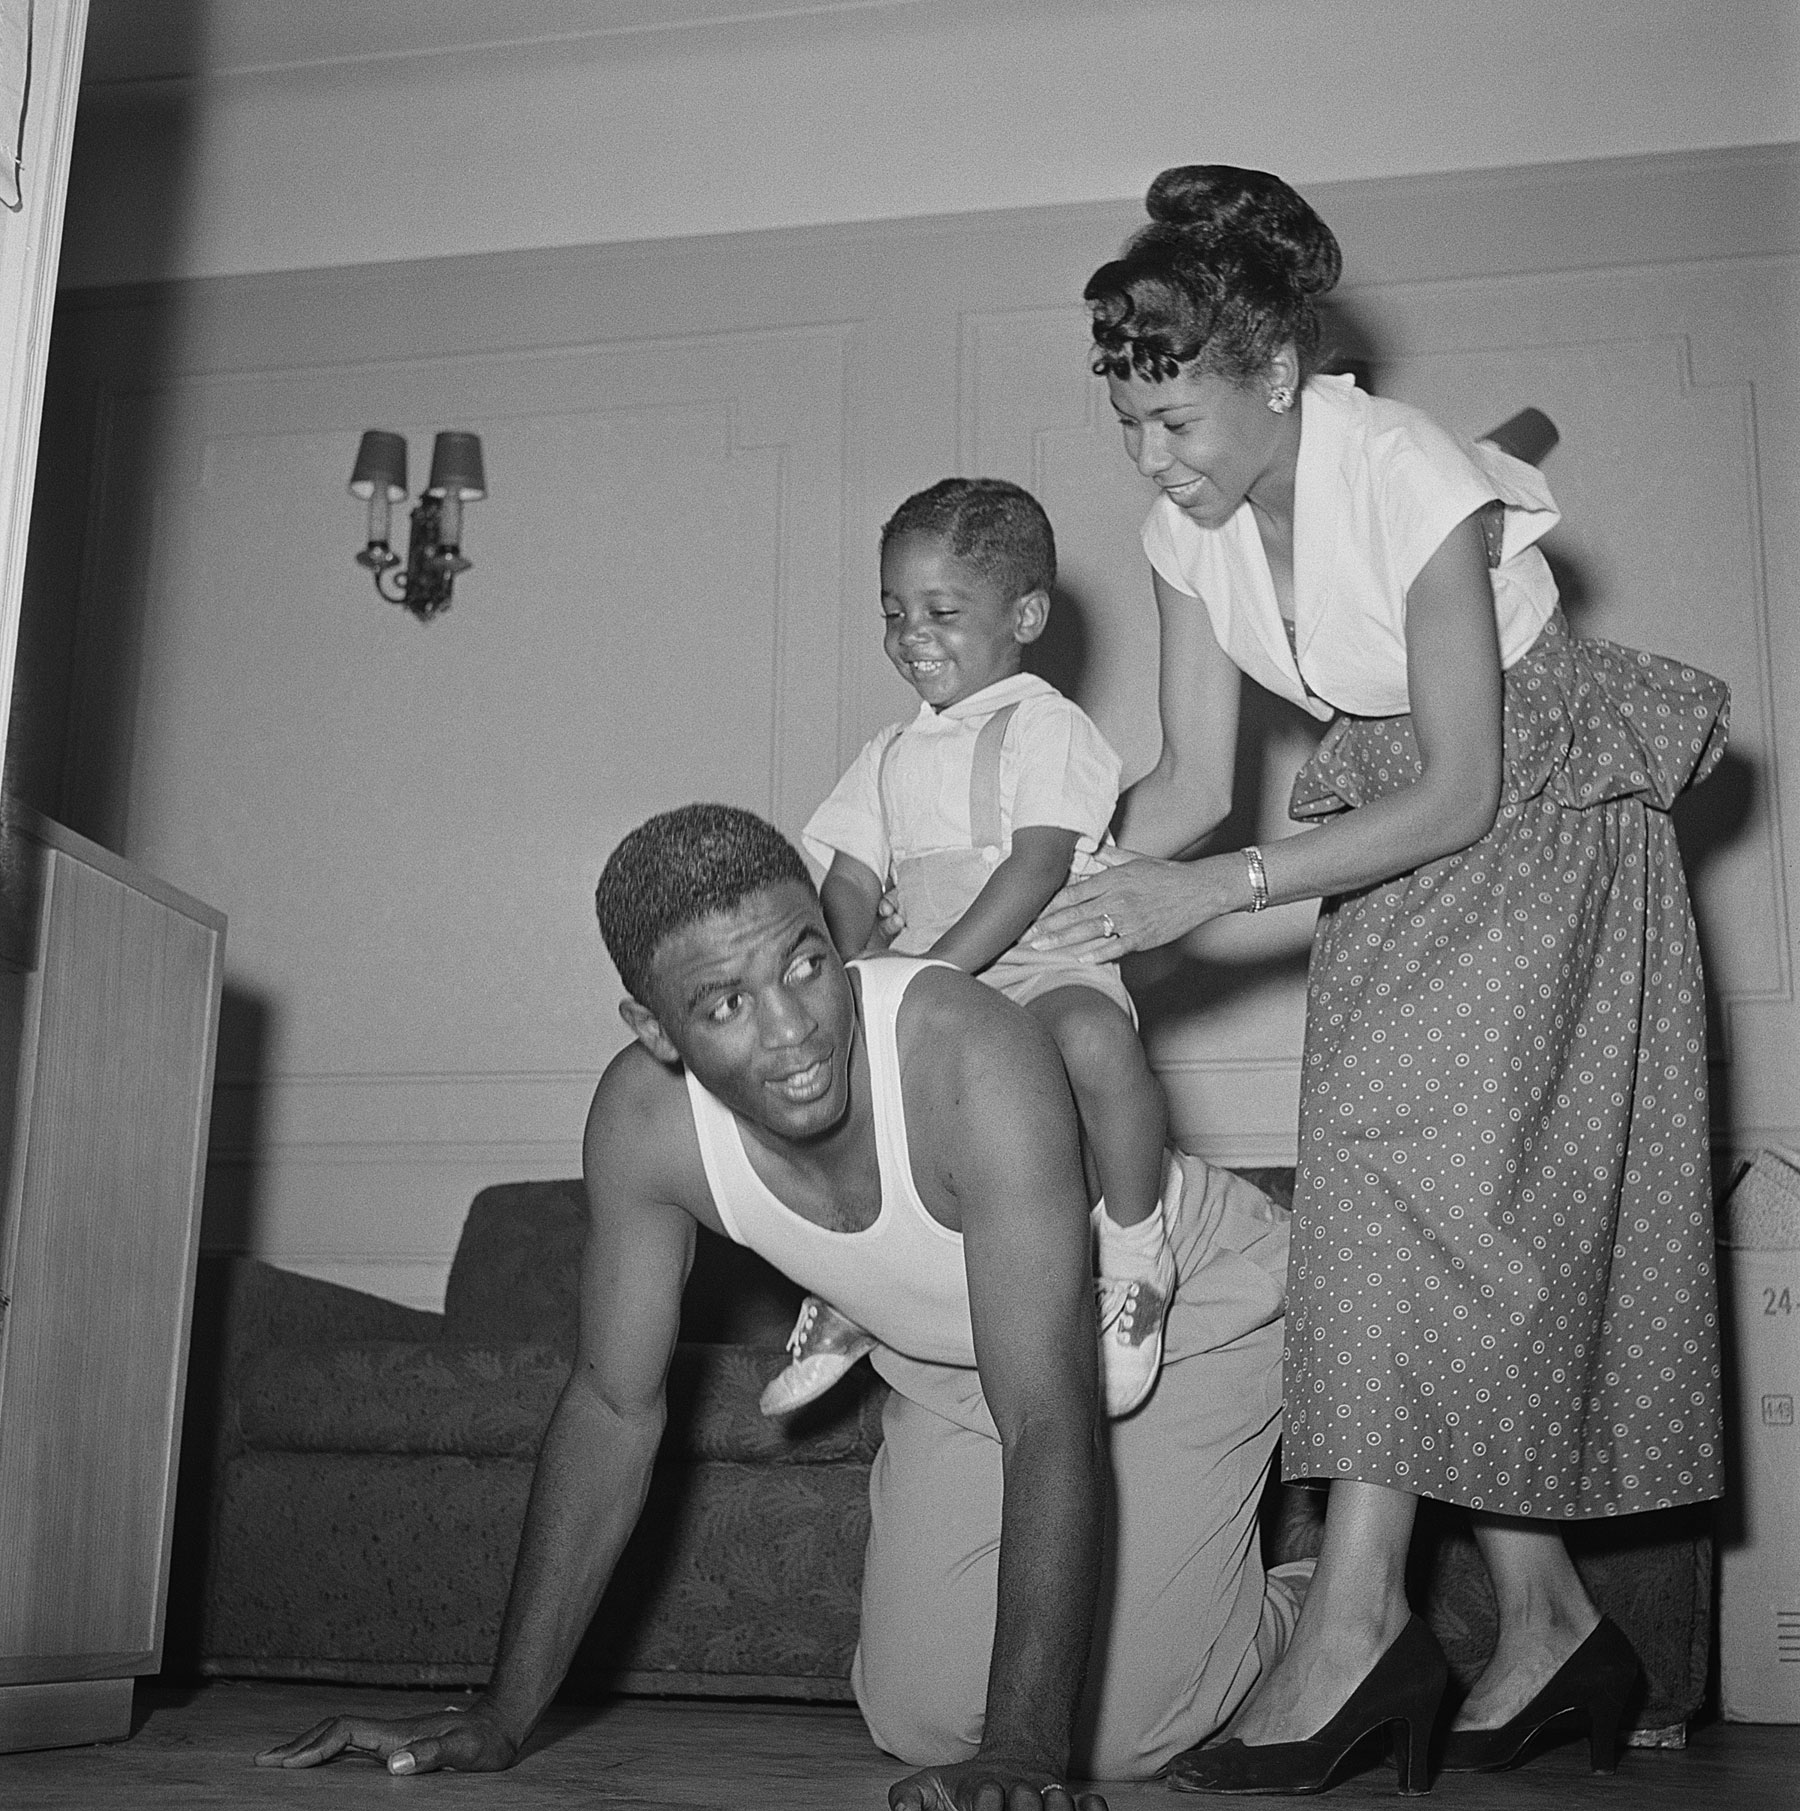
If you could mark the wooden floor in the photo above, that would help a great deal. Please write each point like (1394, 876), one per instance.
(193, 1749)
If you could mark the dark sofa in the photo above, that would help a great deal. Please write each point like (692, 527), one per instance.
(357, 1474)
(369, 1467)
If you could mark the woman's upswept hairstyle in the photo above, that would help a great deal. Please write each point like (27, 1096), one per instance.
(998, 527)
(1225, 274)
(679, 867)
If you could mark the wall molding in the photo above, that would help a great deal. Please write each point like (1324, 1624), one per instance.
(1739, 203)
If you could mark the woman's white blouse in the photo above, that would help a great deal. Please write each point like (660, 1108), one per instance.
(1378, 488)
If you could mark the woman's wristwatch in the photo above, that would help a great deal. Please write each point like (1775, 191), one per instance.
(1259, 878)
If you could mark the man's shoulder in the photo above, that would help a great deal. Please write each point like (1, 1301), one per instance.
(953, 1029)
(939, 995)
(640, 1126)
(635, 1080)
(989, 1117)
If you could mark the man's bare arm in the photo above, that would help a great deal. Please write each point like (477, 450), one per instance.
(1005, 1130)
(594, 1467)
(594, 1470)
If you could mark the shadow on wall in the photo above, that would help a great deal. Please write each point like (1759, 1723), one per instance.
(1350, 344)
(75, 681)
(228, 1222)
(1059, 656)
(1708, 821)
(131, 183)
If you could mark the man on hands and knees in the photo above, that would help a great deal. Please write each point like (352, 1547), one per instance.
(786, 1101)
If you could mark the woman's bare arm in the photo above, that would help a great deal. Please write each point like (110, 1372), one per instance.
(1453, 674)
(1187, 794)
(1453, 682)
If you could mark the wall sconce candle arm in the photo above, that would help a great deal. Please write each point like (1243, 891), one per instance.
(434, 553)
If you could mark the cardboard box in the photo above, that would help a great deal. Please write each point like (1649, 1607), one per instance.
(1759, 1559)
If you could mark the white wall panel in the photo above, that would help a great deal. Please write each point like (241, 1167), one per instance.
(406, 820)
(691, 447)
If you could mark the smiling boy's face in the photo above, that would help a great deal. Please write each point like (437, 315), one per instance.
(951, 628)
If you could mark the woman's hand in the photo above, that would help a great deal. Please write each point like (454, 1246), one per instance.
(890, 921)
(1139, 904)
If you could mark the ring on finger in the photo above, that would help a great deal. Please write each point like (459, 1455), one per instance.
(1107, 929)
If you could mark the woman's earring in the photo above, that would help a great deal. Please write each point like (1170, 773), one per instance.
(1281, 398)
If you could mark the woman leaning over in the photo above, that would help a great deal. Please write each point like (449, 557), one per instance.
(1501, 1292)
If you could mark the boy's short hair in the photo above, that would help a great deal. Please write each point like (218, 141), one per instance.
(997, 527)
(679, 867)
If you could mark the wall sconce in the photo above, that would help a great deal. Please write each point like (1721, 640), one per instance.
(434, 547)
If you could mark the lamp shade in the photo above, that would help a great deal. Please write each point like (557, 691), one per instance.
(380, 461)
(456, 466)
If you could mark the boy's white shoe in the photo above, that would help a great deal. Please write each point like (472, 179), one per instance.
(1132, 1295)
(824, 1345)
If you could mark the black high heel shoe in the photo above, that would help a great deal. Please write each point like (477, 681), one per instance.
(1590, 1688)
(1405, 1687)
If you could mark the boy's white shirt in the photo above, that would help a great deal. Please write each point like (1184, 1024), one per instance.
(1056, 768)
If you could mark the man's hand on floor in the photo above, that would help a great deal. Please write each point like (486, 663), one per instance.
(988, 1786)
(465, 1741)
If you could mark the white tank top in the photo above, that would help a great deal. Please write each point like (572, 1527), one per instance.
(902, 1277)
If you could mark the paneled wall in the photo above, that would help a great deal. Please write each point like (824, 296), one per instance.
(691, 446)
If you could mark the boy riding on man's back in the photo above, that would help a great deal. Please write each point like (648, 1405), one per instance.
(975, 813)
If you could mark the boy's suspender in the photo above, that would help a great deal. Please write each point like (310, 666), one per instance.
(986, 826)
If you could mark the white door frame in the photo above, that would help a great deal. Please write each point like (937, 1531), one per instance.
(30, 248)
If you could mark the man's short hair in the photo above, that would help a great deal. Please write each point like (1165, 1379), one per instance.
(998, 528)
(679, 867)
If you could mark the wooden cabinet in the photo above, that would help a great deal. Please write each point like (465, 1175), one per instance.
(108, 1021)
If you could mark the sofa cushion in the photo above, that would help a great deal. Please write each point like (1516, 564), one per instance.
(390, 1396)
(479, 1402)
(394, 1569)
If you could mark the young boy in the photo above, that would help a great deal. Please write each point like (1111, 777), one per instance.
(978, 810)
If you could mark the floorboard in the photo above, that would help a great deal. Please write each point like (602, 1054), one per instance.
(193, 1750)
